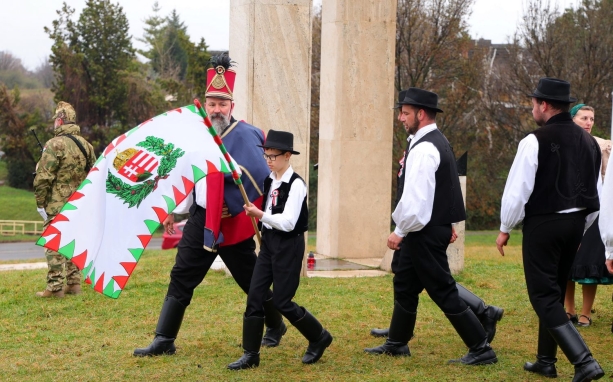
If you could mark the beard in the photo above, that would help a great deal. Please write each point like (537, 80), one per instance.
(219, 121)
(412, 126)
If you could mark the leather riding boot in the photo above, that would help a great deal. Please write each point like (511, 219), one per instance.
(253, 327)
(488, 315)
(47, 293)
(166, 331)
(577, 352)
(400, 332)
(380, 332)
(275, 327)
(545, 364)
(472, 333)
(72, 289)
(318, 337)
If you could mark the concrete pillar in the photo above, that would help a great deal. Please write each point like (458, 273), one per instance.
(271, 42)
(355, 133)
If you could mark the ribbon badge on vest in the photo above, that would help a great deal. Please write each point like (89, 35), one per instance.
(401, 161)
(274, 195)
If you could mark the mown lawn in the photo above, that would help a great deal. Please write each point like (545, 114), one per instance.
(91, 337)
(16, 204)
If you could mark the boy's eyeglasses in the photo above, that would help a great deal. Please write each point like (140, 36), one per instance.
(271, 158)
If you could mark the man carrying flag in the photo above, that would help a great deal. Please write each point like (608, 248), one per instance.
(199, 246)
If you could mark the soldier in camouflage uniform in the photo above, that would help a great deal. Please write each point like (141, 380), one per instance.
(61, 169)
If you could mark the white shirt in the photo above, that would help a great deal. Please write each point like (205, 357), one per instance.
(520, 185)
(414, 210)
(285, 221)
(606, 212)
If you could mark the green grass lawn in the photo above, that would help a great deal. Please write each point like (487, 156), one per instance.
(16, 204)
(91, 337)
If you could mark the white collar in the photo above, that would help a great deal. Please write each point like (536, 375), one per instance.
(286, 175)
(423, 131)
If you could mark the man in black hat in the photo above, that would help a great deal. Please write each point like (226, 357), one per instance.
(489, 315)
(431, 202)
(552, 187)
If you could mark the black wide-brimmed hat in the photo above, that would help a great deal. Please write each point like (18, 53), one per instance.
(280, 140)
(401, 96)
(553, 89)
(421, 98)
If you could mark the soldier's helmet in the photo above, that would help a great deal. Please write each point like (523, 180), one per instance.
(66, 112)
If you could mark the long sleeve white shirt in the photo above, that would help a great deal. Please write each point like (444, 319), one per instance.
(520, 185)
(606, 212)
(414, 210)
(285, 221)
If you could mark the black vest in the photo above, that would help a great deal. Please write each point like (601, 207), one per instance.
(568, 168)
(448, 204)
(302, 225)
(401, 172)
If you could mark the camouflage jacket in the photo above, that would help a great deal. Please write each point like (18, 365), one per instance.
(61, 168)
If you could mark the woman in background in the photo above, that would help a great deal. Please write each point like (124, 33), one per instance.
(589, 268)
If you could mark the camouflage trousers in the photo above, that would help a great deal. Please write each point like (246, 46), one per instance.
(60, 268)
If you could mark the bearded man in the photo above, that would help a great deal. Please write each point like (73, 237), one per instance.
(199, 247)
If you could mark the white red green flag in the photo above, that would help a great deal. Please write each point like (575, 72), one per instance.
(139, 179)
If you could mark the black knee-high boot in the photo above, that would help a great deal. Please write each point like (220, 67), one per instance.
(253, 327)
(318, 337)
(545, 364)
(577, 352)
(166, 331)
(400, 332)
(488, 315)
(275, 327)
(472, 333)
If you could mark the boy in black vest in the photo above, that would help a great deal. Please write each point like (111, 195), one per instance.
(284, 221)
(431, 202)
(552, 187)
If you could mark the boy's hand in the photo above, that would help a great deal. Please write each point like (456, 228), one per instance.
(253, 211)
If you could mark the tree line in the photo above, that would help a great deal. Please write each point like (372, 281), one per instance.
(482, 87)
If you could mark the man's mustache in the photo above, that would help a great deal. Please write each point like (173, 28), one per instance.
(217, 115)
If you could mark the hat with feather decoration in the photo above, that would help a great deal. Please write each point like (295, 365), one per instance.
(220, 78)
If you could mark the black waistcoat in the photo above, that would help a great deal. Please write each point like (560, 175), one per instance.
(568, 168)
(302, 225)
(401, 175)
(448, 204)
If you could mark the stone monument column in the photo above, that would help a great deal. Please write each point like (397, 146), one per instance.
(355, 132)
(270, 40)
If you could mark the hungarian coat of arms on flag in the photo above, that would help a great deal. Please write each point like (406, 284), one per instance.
(135, 184)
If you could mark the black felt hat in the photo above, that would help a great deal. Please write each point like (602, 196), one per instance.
(421, 98)
(280, 140)
(553, 89)
(401, 96)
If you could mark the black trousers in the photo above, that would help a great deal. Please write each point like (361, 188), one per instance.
(193, 262)
(422, 264)
(278, 264)
(549, 246)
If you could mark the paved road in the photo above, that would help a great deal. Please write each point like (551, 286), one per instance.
(25, 251)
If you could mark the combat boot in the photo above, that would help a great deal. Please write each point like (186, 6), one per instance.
(72, 289)
(166, 331)
(47, 293)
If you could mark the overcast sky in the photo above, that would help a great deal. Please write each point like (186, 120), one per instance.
(21, 28)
